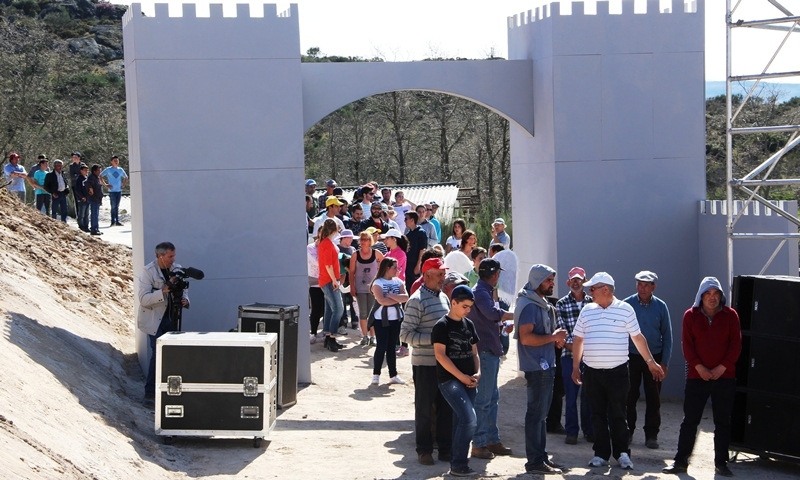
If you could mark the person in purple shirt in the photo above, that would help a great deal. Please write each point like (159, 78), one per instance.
(488, 317)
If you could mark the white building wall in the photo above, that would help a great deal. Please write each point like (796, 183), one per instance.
(215, 115)
(611, 178)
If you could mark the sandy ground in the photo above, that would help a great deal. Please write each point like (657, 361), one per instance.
(70, 391)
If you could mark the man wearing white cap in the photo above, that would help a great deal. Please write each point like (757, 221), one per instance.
(568, 308)
(654, 322)
(499, 234)
(600, 339)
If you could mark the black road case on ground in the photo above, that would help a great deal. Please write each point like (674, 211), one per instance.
(216, 384)
(283, 320)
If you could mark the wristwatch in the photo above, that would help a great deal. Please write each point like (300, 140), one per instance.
(651, 359)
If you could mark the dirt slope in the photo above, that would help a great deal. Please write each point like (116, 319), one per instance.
(69, 382)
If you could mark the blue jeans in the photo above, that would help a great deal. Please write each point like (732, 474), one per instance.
(82, 214)
(95, 207)
(150, 382)
(540, 394)
(333, 309)
(461, 400)
(571, 392)
(60, 207)
(115, 197)
(486, 400)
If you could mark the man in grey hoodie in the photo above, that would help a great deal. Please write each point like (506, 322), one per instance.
(537, 335)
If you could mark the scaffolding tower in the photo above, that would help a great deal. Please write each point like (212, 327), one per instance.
(751, 183)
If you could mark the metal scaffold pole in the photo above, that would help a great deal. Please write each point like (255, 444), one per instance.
(749, 185)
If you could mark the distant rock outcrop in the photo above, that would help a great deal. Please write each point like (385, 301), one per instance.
(84, 46)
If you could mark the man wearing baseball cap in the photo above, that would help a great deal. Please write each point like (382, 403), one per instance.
(568, 308)
(538, 336)
(654, 322)
(424, 308)
(375, 219)
(433, 207)
(600, 338)
(333, 205)
(487, 318)
(16, 173)
(329, 186)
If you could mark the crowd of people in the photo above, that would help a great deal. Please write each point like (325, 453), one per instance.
(587, 346)
(52, 188)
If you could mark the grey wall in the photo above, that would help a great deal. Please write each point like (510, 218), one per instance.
(749, 256)
(611, 180)
(215, 125)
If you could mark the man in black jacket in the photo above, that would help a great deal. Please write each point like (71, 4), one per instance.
(94, 187)
(375, 219)
(74, 173)
(57, 186)
(82, 198)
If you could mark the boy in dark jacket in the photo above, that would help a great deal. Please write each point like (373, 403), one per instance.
(94, 187)
(82, 198)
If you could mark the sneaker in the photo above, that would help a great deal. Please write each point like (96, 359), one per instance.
(364, 341)
(373, 342)
(651, 442)
(676, 468)
(401, 352)
(376, 379)
(543, 469)
(396, 380)
(313, 339)
(555, 465)
(342, 330)
(96, 233)
(571, 440)
(598, 462)
(722, 469)
(625, 461)
(463, 472)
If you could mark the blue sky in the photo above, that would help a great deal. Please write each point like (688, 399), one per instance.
(415, 29)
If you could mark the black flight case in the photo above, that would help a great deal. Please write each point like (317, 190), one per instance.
(216, 384)
(283, 320)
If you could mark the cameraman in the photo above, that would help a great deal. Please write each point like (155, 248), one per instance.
(154, 297)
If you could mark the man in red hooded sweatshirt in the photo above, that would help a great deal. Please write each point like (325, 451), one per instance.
(712, 341)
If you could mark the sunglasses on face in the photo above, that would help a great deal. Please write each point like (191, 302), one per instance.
(596, 287)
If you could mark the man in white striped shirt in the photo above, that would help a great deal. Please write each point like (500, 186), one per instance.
(601, 341)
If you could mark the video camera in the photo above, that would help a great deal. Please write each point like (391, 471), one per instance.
(176, 288)
(181, 274)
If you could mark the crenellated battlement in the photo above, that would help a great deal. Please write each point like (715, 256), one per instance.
(547, 12)
(547, 31)
(189, 10)
(258, 33)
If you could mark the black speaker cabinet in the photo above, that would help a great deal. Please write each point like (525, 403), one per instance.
(766, 413)
(283, 320)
